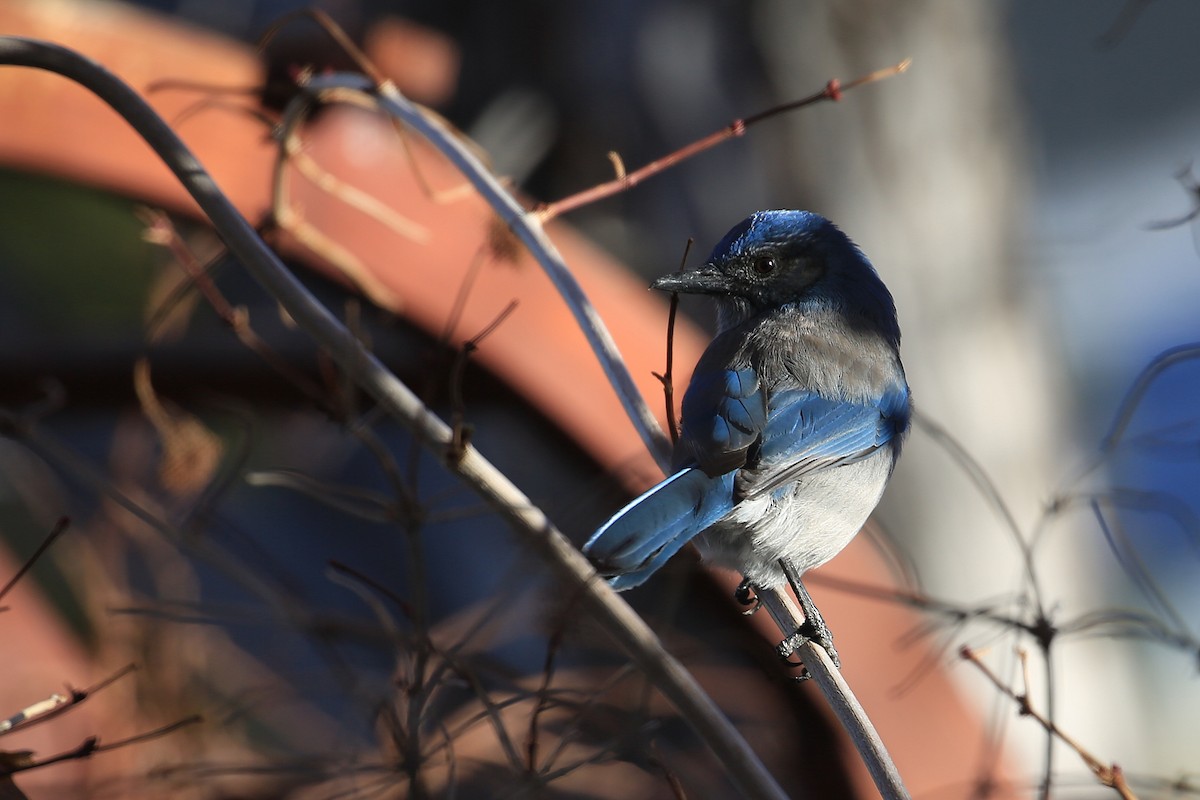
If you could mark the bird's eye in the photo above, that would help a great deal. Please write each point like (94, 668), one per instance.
(764, 265)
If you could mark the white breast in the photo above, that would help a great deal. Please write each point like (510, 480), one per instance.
(809, 522)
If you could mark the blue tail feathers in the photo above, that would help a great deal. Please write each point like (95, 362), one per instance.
(639, 538)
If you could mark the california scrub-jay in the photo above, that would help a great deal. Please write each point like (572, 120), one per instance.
(793, 419)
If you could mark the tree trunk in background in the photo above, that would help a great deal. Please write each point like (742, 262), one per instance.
(926, 172)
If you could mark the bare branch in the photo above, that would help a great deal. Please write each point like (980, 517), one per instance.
(55, 532)
(1108, 775)
(838, 694)
(91, 745)
(833, 90)
(667, 378)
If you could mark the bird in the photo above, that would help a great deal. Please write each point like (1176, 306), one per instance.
(792, 422)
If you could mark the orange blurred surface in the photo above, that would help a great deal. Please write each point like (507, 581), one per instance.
(52, 127)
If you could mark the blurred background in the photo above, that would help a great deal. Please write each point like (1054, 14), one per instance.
(1017, 189)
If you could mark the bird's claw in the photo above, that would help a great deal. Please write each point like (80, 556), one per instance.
(745, 594)
(807, 633)
(787, 647)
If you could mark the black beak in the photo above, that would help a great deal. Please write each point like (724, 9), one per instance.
(708, 279)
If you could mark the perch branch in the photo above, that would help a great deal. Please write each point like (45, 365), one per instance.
(841, 699)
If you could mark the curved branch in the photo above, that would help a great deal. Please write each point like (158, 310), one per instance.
(528, 228)
(841, 699)
(614, 614)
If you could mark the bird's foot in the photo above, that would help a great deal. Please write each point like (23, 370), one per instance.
(745, 594)
(813, 629)
(816, 631)
(818, 635)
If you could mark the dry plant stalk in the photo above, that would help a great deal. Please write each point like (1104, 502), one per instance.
(1109, 775)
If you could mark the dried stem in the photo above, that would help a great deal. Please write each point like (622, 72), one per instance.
(91, 745)
(58, 704)
(58, 529)
(667, 378)
(1109, 775)
(833, 90)
(161, 231)
(458, 406)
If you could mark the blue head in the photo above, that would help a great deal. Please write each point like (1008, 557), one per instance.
(774, 259)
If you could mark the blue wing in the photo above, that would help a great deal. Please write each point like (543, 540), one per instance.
(724, 411)
(728, 424)
(806, 432)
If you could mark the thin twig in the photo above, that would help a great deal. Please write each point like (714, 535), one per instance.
(349, 194)
(1108, 775)
(1133, 398)
(1126, 18)
(924, 602)
(833, 90)
(549, 665)
(667, 378)
(289, 218)
(161, 231)
(382, 83)
(58, 704)
(332, 29)
(91, 745)
(975, 472)
(1043, 630)
(58, 529)
(1187, 180)
(458, 406)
